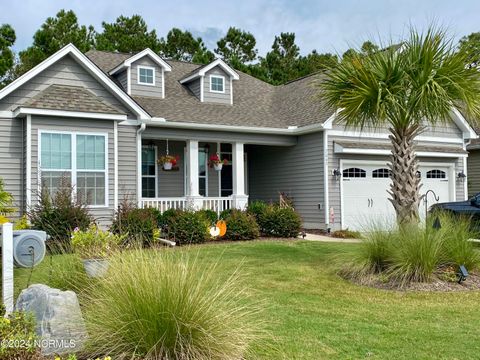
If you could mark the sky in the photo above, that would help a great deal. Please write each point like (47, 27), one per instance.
(327, 26)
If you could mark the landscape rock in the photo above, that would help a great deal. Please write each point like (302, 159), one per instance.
(59, 321)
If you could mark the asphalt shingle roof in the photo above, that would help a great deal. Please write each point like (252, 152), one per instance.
(255, 102)
(70, 98)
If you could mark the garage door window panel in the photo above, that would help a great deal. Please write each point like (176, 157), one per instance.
(436, 174)
(354, 173)
(381, 173)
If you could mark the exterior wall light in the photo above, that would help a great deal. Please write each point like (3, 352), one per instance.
(336, 174)
(461, 176)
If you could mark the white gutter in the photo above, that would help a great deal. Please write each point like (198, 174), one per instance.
(291, 130)
(140, 130)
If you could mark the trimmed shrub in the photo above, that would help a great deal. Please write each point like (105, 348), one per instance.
(188, 227)
(139, 226)
(225, 213)
(59, 215)
(241, 226)
(210, 215)
(280, 222)
(166, 305)
(257, 208)
(168, 216)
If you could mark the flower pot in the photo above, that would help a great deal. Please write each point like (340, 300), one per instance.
(167, 166)
(95, 267)
(218, 167)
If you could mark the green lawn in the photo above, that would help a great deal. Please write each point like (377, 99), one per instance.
(314, 314)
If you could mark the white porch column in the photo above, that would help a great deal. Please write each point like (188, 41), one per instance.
(240, 199)
(193, 194)
(6, 240)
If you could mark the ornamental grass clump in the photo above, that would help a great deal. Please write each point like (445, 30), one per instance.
(416, 253)
(167, 305)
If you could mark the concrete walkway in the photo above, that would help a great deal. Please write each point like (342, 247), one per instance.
(315, 237)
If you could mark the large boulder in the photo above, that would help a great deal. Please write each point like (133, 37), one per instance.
(60, 323)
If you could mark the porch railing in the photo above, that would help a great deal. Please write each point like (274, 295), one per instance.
(164, 204)
(217, 204)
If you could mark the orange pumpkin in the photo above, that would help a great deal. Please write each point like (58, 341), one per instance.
(222, 225)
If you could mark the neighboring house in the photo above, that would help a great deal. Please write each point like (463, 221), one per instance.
(103, 119)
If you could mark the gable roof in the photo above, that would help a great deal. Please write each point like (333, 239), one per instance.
(70, 98)
(256, 103)
(202, 70)
(89, 66)
(147, 52)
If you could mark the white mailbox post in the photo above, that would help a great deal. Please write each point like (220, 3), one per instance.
(6, 235)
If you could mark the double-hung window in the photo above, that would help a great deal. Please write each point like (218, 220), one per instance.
(77, 160)
(56, 161)
(217, 83)
(146, 75)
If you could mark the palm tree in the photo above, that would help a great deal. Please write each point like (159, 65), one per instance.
(404, 88)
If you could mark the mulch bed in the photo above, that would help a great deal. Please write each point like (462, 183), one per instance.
(439, 283)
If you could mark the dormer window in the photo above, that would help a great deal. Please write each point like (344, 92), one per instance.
(146, 75)
(217, 84)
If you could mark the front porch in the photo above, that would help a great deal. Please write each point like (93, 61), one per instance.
(192, 183)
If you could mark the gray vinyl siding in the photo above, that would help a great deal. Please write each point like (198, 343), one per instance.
(146, 90)
(65, 71)
(194, 87)
(296, 170)
(11, 160)
(473, 174)
(123, 80)
(334, 163)
(447, 129)
(103, 215)
(213, 97)
(213, 175)
(171, 183)
(127, 163)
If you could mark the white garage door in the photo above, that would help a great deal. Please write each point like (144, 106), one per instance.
(364, 193)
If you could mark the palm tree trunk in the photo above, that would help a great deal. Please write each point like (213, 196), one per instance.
(405, 188)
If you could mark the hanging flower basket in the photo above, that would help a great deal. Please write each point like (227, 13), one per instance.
(216, 162)
(168, 161)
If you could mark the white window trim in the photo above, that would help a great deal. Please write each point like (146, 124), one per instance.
(156, 171)
(223, 81)
(73, 171)
(139, 67)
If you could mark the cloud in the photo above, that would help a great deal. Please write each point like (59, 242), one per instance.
(210, 36)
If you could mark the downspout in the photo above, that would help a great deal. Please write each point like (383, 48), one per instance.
(140, 130)
(326, 199)
(465, 171)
